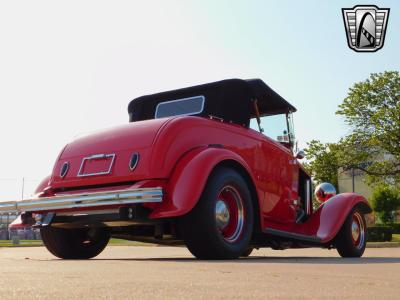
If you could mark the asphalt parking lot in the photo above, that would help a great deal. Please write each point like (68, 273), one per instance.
(122, 272)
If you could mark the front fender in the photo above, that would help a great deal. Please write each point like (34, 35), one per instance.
(189, 178)
(327, 220)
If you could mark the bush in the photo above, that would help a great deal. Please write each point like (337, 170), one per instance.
(396, 228)
(385, 201)
(379, 234)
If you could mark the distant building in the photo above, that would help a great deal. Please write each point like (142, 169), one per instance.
(352, 181)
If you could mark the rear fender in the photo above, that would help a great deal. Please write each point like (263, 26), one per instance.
(189, 178)
(327, 220)
(40, 189)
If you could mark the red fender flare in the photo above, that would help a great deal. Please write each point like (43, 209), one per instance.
(189, 178)
(329, 218)
(43, 184)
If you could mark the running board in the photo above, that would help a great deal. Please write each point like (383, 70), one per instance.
(293, 236)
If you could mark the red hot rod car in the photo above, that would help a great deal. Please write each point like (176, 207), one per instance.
(188, 169)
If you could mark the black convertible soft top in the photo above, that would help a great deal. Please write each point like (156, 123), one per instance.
(230, 100)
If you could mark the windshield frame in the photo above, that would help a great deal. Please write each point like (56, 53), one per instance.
(288, 127)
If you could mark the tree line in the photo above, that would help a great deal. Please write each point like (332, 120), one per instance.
(371, 111)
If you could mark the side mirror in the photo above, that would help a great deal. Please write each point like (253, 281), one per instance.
(300, 154)
(324, 192)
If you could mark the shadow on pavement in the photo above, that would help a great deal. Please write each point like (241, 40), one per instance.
(272, 259)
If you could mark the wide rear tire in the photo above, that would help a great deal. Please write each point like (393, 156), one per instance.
(351, 239)
(221, 224)
(80, 243)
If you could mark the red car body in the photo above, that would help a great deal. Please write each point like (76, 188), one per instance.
(178, 155)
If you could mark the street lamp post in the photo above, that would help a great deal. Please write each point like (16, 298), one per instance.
(8, 230)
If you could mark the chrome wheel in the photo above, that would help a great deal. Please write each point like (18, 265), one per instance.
(351, 239)
(222, 214)
(357, 230)
(221, 224)
(229, 213)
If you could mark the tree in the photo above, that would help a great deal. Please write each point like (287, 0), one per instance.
(372, 110)
(385, 200)
(322, 162)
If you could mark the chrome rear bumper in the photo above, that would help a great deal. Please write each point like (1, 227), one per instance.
(90, 200)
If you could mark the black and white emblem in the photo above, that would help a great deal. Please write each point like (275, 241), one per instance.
(365, 27)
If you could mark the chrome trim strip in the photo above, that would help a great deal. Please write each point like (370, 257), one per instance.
(96, 156)
(119, 197)
(308, 198)
(8, 206)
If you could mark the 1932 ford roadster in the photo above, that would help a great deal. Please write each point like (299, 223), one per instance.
(189, 169)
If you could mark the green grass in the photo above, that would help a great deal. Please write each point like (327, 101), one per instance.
(395, 242)
(383, 244)
(396, 238)
(22, 243)
(119, 242)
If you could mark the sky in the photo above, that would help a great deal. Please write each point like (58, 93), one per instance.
(71, 67)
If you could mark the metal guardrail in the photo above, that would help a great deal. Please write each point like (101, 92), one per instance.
(121, 197)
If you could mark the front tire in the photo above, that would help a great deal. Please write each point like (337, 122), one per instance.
(351, 240)
(79, 243)
(221, 224)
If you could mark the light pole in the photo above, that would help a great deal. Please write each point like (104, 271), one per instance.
(8, 230)
(23, 186)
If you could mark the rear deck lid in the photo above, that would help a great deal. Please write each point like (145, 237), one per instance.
(105, 157)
